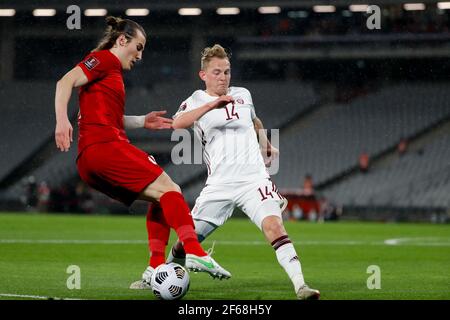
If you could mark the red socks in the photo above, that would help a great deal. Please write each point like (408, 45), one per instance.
(158, 234)
(172, 211)
(178, 216)
(188, 237)
(176, 211)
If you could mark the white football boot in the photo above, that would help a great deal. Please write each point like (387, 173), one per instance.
(206, 264)
(145, 282)
(306, 293)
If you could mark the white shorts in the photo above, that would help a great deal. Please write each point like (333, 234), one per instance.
(257, 200)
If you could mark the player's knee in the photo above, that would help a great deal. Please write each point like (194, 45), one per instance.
(171, 187)
(155, 191)
(165, 184)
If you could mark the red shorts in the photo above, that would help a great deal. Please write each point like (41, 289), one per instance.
(117, 169)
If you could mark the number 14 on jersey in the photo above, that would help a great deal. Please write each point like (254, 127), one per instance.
(231, 113)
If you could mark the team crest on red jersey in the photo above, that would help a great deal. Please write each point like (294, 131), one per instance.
(152, 160)
(91, 63)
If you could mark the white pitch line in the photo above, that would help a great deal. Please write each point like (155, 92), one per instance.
(70, 241)
(310, 242)
(418, 241)
(27, 296)
(225, 242)
(391, 242)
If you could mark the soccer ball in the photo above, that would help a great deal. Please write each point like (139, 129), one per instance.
(170, 281)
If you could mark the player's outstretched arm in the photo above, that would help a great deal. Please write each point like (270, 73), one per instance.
(63, 131)
(187, 119)
(268, 151)
(155, 121)
(152, 121)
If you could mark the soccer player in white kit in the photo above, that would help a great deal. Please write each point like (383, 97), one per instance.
(224, 119)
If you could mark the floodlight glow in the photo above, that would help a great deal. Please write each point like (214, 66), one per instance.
(190, 11)
(358, 7)
(443, 5)
(228, 11)
(137, 12)
(414, 6)
(7, 12)
(95, 12)
(44, 12)
(269, 10)
(324, 9)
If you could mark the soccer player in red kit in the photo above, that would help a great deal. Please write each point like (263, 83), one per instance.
(106, 160)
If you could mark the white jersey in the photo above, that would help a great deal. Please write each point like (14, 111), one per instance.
(230, 146)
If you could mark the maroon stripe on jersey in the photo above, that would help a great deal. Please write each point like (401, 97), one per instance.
(280, 242)
(203, 138)
(207, 159)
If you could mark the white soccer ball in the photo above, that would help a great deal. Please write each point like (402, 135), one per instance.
(170, 281)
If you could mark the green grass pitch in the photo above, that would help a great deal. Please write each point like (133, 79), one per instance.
(111, 251)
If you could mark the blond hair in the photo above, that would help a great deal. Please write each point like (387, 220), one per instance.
(216, 51)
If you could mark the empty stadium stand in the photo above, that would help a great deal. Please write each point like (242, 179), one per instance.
(331, 144)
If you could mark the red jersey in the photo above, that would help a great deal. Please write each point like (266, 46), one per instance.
(102, 100)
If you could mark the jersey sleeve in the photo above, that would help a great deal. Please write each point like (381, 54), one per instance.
(250, 102)
(185, 106)
(96, 65)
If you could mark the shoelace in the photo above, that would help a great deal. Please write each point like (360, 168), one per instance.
(210, 251)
